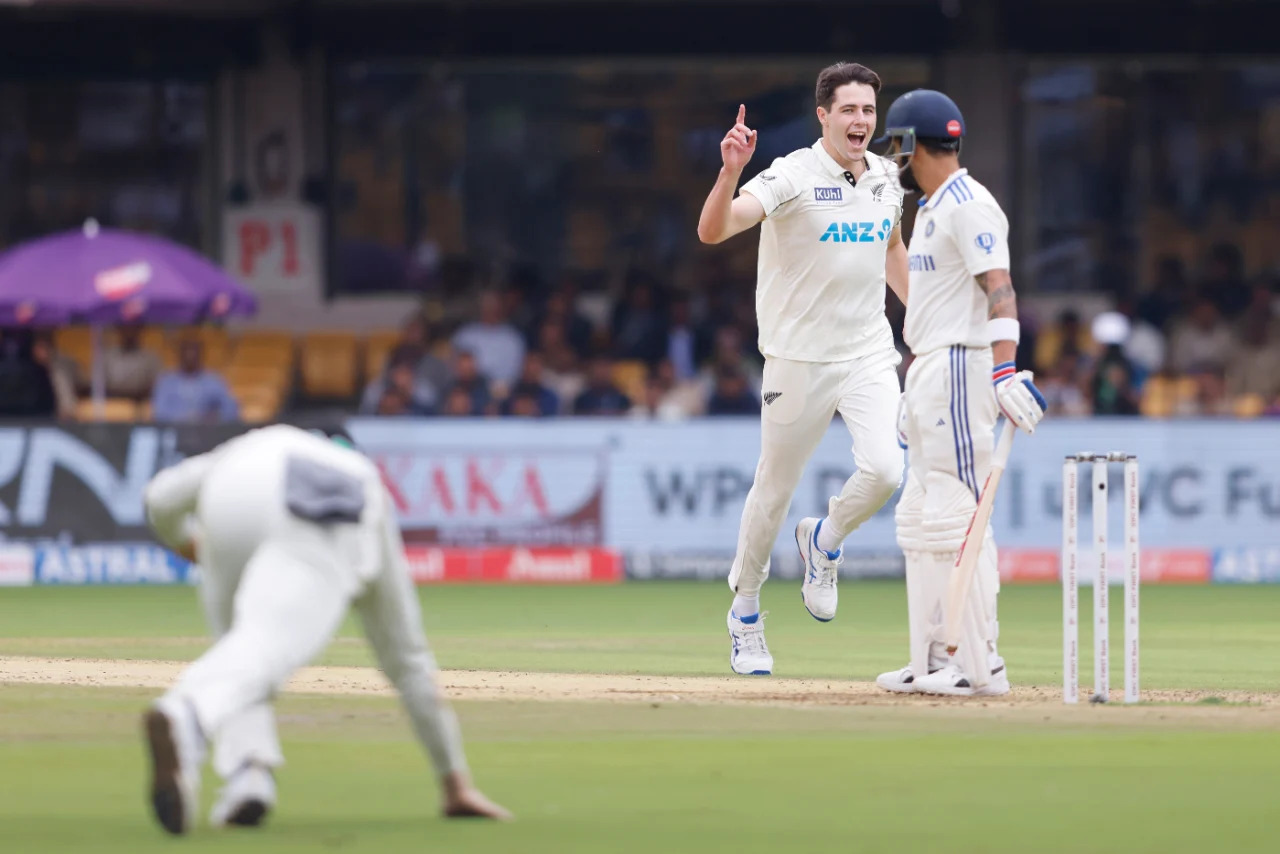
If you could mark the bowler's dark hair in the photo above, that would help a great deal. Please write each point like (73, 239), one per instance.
(833, 77)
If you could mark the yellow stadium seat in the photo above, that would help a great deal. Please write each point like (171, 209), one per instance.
(1186, 389)
(1248, 405)
(258, 375)
(114, 409)
(257, 403)
(630, 377)
(1157, 398)
(328, 364)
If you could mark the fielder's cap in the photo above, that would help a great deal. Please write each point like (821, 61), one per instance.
(923, 114)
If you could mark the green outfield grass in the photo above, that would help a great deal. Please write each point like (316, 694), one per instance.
(663, 777)
(1210, 638)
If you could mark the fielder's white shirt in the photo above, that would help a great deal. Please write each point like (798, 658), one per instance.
(960, 232)
(820, 277)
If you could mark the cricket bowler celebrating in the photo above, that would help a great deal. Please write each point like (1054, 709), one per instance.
(962, 327)
(290, 529)
(830, 240)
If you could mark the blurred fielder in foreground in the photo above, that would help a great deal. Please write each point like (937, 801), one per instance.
(290, 530)
(829, 242)
(962, 326)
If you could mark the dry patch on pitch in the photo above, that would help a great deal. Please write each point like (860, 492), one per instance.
(595, 687)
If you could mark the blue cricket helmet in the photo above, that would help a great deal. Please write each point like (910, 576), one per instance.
(922, 114)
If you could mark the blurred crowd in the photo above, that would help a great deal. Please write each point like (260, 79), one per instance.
(508, 353)
(1178, 345)
(1182, 343)
(38, 381)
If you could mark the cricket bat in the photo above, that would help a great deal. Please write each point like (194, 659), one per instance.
(967, 560)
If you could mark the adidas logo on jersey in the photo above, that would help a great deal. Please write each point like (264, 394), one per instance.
(771, 396)
(921, 263)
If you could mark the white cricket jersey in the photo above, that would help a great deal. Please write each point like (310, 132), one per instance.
(820, 277)
(959, 233)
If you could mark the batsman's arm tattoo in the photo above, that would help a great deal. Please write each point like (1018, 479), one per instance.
(1001, 301)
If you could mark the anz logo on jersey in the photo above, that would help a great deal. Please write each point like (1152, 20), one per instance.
(857, 232)
(921, 263)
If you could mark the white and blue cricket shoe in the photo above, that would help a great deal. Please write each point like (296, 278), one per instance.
(821, 571)
(749, 654)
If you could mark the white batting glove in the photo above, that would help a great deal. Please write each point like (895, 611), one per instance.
(1017, 395)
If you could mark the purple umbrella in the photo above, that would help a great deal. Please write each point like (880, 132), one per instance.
(102, 276)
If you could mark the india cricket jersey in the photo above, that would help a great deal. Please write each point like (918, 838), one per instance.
(960, 232)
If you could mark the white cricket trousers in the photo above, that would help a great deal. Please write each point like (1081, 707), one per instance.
(275, 589)
(800, 400)
(949, 420)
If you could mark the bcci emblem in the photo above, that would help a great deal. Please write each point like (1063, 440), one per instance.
(928, 229)
(986, 241)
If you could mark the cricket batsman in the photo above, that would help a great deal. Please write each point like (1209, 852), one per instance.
(290, 530)
(962, 326)
(829, 242)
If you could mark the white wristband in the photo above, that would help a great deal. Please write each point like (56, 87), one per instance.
(1004, 329)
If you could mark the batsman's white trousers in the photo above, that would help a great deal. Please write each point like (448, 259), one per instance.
(949, 421)
(275, 589)
(800, 399)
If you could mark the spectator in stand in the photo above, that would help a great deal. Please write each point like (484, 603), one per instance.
(639, 325)
(1112, 386)
(496, 345)
(415, 341)
(601, 396)
(1062, 388)
(403, 377)
(26, 389)
(468, 379)
(530, 387)
(683, 346)
(458, 403)
(129, 370)
(730, 352)
(392, 402)
(523, 404)
(731, 396)
(1202, 342)
(1144, 344)
(1211, 393)
(1254, 365)
(1066, 337)
(560, 308)
(63, 373)
(560, 371)
(191, 394)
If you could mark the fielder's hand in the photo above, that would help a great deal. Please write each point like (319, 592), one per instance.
(738, 144)
(1019, 399)
(463, 800)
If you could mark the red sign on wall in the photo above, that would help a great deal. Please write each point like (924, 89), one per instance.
(432, 565)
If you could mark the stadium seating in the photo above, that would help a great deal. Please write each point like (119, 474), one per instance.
(328, 364)
(113, 409)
